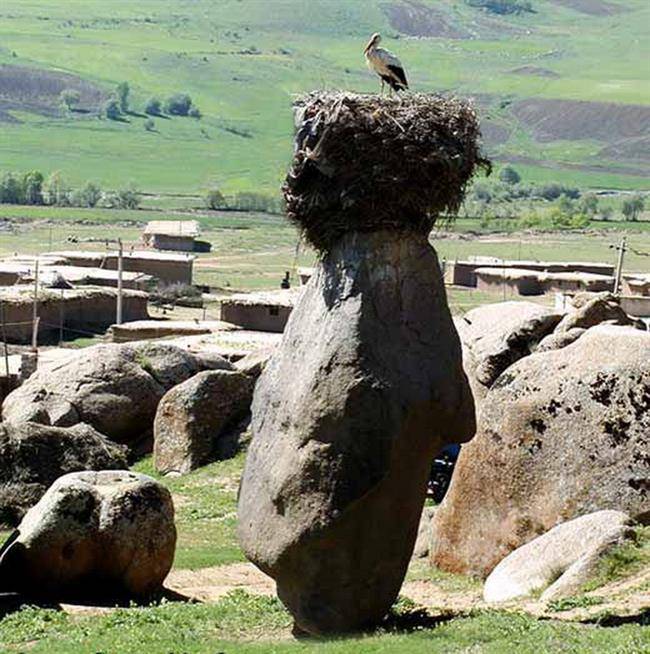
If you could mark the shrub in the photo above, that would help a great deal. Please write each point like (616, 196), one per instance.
(69, 99)
(112, 109)
(214, 199)
(632, 207)
(194, 112)
(178, 104)
(128, 197)
(509, 175)
(88, 196)
(153, 107)
(553, 191)
(503, 7)
(589, 204)
(149, 125)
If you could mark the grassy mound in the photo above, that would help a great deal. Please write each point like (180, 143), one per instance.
(367, 162)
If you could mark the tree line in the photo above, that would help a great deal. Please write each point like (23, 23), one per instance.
(32, 188)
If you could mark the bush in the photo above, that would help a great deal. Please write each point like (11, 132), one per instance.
(69, 99)
(509, 175)
(632, 207)
(554, 190)
(589, 204)
(178, 104)
(194, 112)
(88, 196)
(153, 107)
(112, 109)
(214, 199)
(503, 7)
(128, 197)
(149, 125)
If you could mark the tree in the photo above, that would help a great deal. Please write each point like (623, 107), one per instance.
(11, 190)
(178, 104)
(632, 207)
(214, 199)
(57, 191)
(589, 204)
(509, 175)
(128, 197)
(122, 92)
(88, 196)
(69, 99)
(32, 190)
(606, 213)
(153, 107)
(112, 109)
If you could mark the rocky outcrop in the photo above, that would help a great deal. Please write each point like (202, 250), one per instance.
(254, 363)
(561, 434)
(560, 561)
(194, 418)
(33, 456)
(494, 336)
(114, 388)
(99, 534)
(366, 386)
(589, 310)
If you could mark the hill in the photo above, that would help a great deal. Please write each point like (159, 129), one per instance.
(561, 84)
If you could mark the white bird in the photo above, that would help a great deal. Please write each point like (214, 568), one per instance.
(385, 64)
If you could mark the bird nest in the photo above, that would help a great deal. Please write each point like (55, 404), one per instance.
(369, 162)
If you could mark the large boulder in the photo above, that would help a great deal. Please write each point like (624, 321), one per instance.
(560, 561)
(589, 310)
(561, 434)
(494, 336)
(194, 418)
(365, 388)
(33, 456)
(115, 388)
(99, 534)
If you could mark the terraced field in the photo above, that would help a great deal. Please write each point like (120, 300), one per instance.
(563, 90)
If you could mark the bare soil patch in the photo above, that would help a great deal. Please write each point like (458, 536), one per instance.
(635, 149)
(574, 120)
(592, 7)
(417, 19)
(38, 90)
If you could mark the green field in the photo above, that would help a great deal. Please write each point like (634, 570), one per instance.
(241, 61)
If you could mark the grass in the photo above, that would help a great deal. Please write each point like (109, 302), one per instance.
(243, 141)
(246, 624)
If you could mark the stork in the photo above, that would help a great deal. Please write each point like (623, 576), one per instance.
(385, 64)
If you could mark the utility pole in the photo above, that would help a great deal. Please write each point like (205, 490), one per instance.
(622, 248)
(120, 272)
(4, 337)
(35, 311)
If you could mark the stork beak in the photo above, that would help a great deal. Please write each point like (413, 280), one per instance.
(370, 43)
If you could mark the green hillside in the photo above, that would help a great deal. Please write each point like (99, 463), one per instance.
(563, 89)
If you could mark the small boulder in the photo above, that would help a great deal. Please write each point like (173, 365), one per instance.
(562, 560)
(194, 417)
(561, 434)
(93, 534)
(559, 339)
(33, 456)
(421, 549)
(115, 388)
(494, 336)
(590, 310)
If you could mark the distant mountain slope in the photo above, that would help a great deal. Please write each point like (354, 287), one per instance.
(563, 89)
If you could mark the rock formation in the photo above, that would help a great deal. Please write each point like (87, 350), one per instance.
(366, 386)
(33, 456)
(194, 417)
(560, 561)
(561, 433)
(98, 534)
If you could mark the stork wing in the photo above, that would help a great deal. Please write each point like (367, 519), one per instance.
(399, 73)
